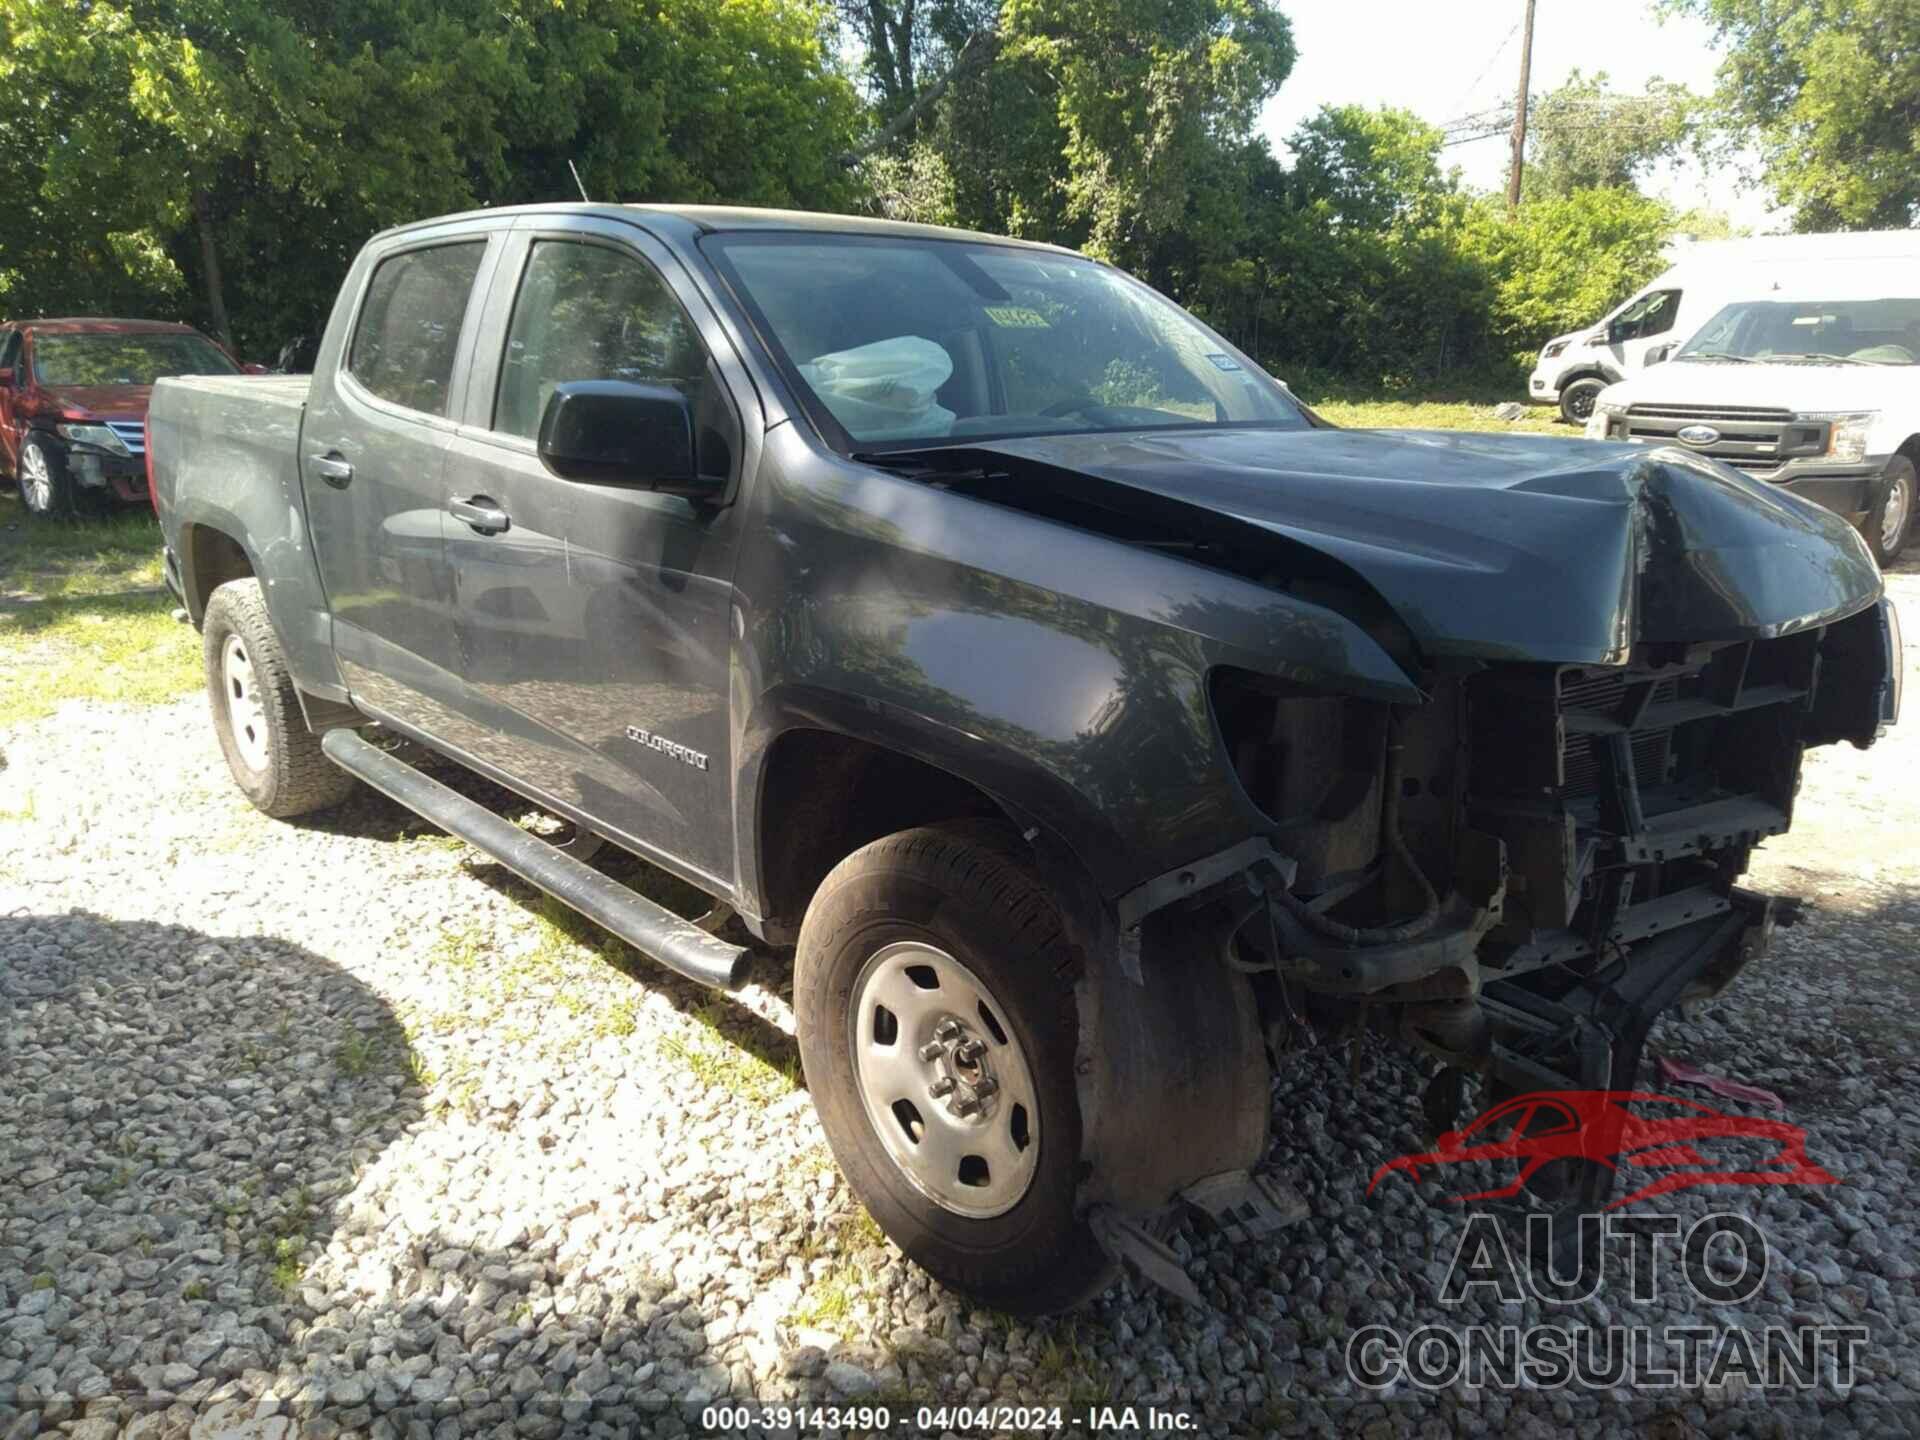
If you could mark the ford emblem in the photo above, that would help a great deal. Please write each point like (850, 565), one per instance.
(1699, 434)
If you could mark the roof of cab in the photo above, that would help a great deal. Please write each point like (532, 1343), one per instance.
(723, 218)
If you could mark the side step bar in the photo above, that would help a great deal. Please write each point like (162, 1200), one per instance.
(651, 929)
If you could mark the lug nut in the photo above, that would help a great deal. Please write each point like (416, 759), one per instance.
(932, 1050)
(946, 1030)
(940, 1087)
(966, 1105)
(987, 1087)
(970, 1052)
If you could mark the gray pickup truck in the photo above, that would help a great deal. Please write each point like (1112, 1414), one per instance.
(1088, 723)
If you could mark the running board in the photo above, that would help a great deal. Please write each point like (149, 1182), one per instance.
(650, 928)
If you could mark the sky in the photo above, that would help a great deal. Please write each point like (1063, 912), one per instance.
(1425, 55)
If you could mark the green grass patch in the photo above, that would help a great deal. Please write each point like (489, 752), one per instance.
(1442, 415)
(83, 616)
(720, 1063)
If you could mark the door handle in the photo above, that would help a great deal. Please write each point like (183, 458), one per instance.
(332, 469)
(481, 513)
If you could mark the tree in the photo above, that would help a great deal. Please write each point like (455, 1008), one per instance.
(1369, 168)
(1583, 136)
(1829, 91)
(255, 144)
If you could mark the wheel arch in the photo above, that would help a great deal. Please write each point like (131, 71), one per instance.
(817, 792)
(210, 555)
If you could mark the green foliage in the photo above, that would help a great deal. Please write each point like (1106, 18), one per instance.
(1561, 261)
(1584, 136)
(276, 137)
(1824, 89)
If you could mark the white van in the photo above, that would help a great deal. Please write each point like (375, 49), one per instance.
(1573, 369)
(1813, 387)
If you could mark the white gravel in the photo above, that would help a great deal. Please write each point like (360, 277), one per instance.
(334, 1128)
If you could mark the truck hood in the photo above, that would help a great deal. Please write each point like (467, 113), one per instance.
(1496, 547)
(100, 402)
(1798, 388)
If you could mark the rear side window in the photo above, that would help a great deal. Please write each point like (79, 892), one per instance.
(9, 349)
(585, 312)
(409, 327)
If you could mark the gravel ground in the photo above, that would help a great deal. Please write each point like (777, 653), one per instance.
(336, 1128)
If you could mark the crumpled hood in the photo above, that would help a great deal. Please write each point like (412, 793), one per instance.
(1796, 387)
(1508, 546)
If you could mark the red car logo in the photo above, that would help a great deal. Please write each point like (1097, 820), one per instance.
(1625, 1130)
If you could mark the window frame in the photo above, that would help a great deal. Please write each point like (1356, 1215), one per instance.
(358, 390)
(531, 243)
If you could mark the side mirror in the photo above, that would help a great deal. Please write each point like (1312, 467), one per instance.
(1658, 353)
(611, 432)
(1616, 333)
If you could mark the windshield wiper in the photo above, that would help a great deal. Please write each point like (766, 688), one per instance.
(1814, 357)
(1716, 355)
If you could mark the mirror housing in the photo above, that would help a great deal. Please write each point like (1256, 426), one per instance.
(612, 432)
(1658, 354)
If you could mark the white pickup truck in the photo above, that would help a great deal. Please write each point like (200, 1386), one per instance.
(1816, 390)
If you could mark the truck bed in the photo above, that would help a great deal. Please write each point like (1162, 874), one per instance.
(242, 431)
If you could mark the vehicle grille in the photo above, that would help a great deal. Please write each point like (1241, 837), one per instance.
(132, 433)
(1751, 437)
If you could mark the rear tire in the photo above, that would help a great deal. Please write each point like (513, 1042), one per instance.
(1890, 522)
(275, 759)
(1577, 397)
(958, 904)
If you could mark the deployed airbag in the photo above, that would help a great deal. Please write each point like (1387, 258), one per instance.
(884, 391)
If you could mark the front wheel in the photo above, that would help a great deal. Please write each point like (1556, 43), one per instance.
(45, 483)
(1577, 397)
(275, 759)
(937, 1027)
(1890, 522)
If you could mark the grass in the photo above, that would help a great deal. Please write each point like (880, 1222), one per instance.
(719, 1063)
(83, 615)
(1442, 415)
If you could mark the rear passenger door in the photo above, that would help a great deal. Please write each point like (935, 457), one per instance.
(373, 445)
(596, 621)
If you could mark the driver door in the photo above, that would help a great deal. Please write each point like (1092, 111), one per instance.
(12, 357)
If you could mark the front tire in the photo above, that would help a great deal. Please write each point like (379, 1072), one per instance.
(275, 759)
(45, 483)
(1890, 522)
(1577, 397)
(937, 1027)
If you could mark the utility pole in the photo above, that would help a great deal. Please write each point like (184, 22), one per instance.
(1520, 112)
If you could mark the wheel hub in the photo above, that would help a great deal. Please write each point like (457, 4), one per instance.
(944, 1080)
(246, 716)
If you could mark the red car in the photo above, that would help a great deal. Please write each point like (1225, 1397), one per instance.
(1676, 1143)
(73, 403)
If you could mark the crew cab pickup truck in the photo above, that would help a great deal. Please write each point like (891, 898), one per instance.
(1088, 723)
(1813, 387)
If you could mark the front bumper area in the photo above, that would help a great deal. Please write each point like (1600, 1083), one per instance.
(122, 476)
(1543, 386)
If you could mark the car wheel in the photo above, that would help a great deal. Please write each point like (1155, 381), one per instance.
(275, 759)
(937, 1025)
(44, 483)
(1577, 397)
(1891, 521)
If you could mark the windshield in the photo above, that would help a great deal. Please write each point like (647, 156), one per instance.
(124, 359)
(1830, 332)
(896, 343)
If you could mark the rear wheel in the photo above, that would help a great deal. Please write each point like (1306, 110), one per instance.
(275, 759)
(1577, 397)
(937, 1029)
(1890, 523)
